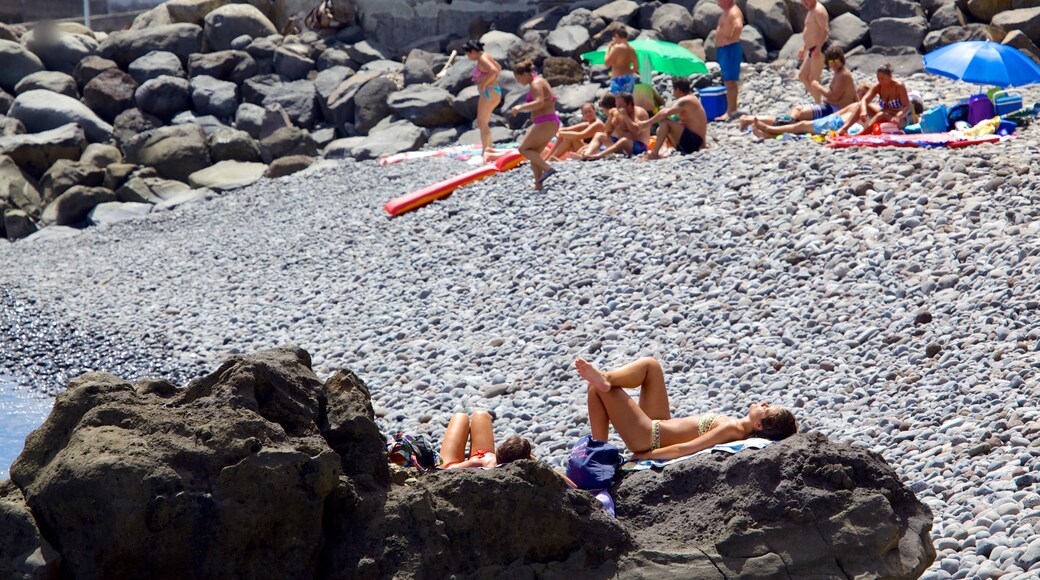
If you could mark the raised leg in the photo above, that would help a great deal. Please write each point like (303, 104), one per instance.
(481, 433)
(645, 373)
(629, 420)
(453, 449)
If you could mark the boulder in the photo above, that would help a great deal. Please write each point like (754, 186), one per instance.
(288, 165)
(1019, 40)
(705, 18)
(770, 18)
(18, 225)
(937, 39)
(908, 32)
(287, 141)
(152, 190)
(370, 103)
(66, 174)
(260, 122)
(101, 155)
(156, 64)
(326, 82)
(6, 101)
(299, 99)
(945, 16)
(43, 110)
(333, 57)
(225, 175)
(163, 97)
(111, 212)
(237, 456)
(672, 22)
(562, 71)
(90, 67)
(192, 11)
(1026, 20)
(848, 31)
(499, 44)
(292, 62)
(342, 148)
(231, 21)
(58, 50)
(256, 89)
(424, 105)
(835, 8)
(175, 152)
(457, 77)
(397, 138)
(236, 66)
(132, 122)
(584, 18)
(465, 103)
(117, 174)
(871, 10)
(126, 46)
(985, 10)
(753, 44)
(211, 96)
(233, 145)
(110, 93)
(544, 21)
(624, 11)
(804, 507)
(55, 82)
(905, 61)
(365, 52)
(417, 72)
(472, 137)
(572, 97)
(72, 206)
(18, 190)
(35, 153)
(696, 46)
(791, 48)
(569, 41)
(19, 63)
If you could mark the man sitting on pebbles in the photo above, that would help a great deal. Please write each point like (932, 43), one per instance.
(690, 132)
(840, 94)
(572, 138)
(625, 131)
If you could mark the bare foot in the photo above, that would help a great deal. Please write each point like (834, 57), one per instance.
(746, 121)
(722, 117)
(592, 375)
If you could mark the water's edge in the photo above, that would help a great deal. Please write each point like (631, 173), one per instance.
(22, 409)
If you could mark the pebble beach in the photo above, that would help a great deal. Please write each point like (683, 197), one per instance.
(889, 296)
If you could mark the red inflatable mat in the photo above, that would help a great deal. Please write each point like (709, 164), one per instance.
(421, 197)
(909, 140)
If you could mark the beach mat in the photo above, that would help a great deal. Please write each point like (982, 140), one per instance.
(911, 140)
(734, 447)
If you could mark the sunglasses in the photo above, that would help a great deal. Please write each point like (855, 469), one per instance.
(833, 60)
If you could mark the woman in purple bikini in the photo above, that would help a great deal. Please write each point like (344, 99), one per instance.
(485, 75)
(545, 122)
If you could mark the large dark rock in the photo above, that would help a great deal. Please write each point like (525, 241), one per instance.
(457, 77)
(90, 67)
(672, 22)
(126, 46)
(236, 66)
(215, 97)
(985, 10)
(18, 63)
(287, 141)
(805, 507)
(417, 72)
(259, 121)
(1026, 20)
(619, 10)
(569, 41)
(873, 9)
(945, 16)
(233, 145)
(229, 22)
(370, 103)
(17, 189)
(705, 18)
(44, 110)
(133, 122)
(908, 32)
(937, 39)
(6, 100)
(584, 18)
(29, 555)
(835, 8)
(560, 71)
(288, 165)
(770, 18)
(154, 65)
(905, 61)
(55, 82)
(72, 206)
(66, 174)
(364, 52)
(17, 225)
(110, 93)
(299, 99)
(256, 89)
(164, 97)
(424, 105)
(396, 138)
(35, 153)
(292, 62)
(326, 83)
(175, 152)
(848, 31)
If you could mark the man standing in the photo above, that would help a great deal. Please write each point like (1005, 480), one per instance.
(687, 135)
(729, 53)
(817, 29)
(623, 63)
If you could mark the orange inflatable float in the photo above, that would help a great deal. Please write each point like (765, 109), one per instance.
(441, 189)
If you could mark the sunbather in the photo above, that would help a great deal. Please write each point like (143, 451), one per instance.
(479, 432)
(765, 127)
(690, 132)
(647, 427)
(545, 122)
(624, 133)
(893, 101)
(840, 94)
(570, 139)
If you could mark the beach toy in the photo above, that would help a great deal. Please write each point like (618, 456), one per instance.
(441, 189)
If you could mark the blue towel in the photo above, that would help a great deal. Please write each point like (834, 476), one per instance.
(734, 447)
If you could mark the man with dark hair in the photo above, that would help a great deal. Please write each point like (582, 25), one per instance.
(626, 131)
(840, 94)
(623, 63)
(690, 132)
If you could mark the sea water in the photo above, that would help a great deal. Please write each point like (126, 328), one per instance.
(21, 410)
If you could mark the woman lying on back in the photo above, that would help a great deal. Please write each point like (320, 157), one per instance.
(647, 427)
(479, 432)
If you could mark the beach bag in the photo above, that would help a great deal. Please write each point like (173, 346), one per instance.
(958, 112)
(411, 451)
(592, 463)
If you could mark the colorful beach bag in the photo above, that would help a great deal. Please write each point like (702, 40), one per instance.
(593, 463)
(411, 451)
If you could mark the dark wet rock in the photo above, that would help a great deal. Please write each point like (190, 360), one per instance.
(163, 97)
(110, 93)
(236, 66)
(126, 46)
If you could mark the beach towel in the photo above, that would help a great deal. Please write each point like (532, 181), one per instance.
(734, 447)
(950, 139)
(468, 153)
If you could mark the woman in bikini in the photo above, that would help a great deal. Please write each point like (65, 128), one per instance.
(542, 104)
(485, 75)
(647, 427)
(893, 100)
(481, 436)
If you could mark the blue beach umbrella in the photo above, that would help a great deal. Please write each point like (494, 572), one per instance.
(983, 62)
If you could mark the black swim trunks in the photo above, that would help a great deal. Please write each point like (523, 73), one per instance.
(690, 142)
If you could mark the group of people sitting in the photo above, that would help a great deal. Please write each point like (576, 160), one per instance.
(646, 426)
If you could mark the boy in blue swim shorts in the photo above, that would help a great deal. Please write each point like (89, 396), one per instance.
(729, 53)
(623, 63)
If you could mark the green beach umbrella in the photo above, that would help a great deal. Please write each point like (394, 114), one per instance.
(665, 57)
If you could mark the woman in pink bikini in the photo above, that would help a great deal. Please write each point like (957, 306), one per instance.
(647, 427)
(482, 452)
(542, 104)
(485, 75)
